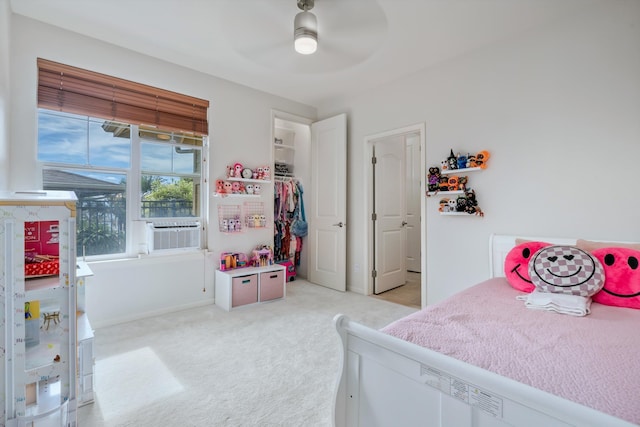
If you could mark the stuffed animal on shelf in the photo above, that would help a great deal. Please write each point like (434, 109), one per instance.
(462, 161)
(444, 205)
(249, 188)
(444, 183)
(481, 159)
(471, 161)
(461, 204)
(230, 171)
(453, 205)
(235, 187)
(452, 161)
(257, 189)
(444, 165)
(237, 170)
(266, 172)
(472, 203)
(219, 186)
(453, 183)
(227, 187)
(462, 183)
(433, 179)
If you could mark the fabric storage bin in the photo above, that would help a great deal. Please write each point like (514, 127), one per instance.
(271, 285)
(244, 290)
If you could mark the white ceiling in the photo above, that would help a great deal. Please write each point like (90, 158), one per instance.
(362, 43)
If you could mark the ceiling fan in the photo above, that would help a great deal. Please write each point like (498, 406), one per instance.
(346, 32)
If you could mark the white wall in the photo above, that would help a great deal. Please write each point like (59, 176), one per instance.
(240, 130)
(559, 111)
(5, 95)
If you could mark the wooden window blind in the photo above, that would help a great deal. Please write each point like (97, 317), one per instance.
(78, 91)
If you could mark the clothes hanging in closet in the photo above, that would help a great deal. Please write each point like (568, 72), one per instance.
(287, 206)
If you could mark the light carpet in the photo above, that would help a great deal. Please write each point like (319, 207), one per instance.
(273, 364)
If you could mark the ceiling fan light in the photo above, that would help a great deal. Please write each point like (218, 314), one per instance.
(305, 33)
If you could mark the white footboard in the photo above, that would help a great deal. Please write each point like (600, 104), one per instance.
(385, 381)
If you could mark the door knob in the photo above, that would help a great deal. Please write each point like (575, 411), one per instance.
(404, 223)
(340, 224)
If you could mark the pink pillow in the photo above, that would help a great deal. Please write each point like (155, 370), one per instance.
(516, 265)
(622, 277)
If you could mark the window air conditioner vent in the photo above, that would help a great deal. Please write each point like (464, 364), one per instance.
(163, 235)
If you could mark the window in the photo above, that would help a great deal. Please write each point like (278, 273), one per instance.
(123, 173)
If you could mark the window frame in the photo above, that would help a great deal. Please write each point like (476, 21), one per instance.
(135, 222)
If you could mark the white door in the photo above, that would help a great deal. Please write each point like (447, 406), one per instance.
(327, 213)
(413, 176)
(390, 216)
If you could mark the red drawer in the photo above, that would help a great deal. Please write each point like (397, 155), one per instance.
(271, 285)
(244, 290)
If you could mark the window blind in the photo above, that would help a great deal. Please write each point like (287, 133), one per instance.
(78, 91)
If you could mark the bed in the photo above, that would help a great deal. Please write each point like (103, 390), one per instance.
(469, 361)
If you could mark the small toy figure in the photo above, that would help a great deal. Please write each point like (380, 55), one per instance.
(453, 205)
(219, 186)
(472, 204)
(232, 224)
(471, 161)
(249, 188)
(237, 170)
(230, 171)
(444, 165)
(260, 170)
(257, 188)
(227, 187)
(266, 172)
(235, 187)
(462, 183)
(481, 159)
(453, 183)
(433, 178)
(444, 183)
(444, 205)
(225, 225)
(262, 220)
(452, 162)
(461, 204)
(462, 161)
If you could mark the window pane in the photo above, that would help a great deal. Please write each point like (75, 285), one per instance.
(166, 197)
(156, 157)
(109, 144)
(186, 160)
(62, 138)
(101, 209)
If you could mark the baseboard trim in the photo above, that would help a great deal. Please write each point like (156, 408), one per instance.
(147, 314)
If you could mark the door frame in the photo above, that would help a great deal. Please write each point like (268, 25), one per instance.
(420, 129)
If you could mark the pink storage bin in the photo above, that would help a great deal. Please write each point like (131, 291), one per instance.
(271, 285)
(244, 290)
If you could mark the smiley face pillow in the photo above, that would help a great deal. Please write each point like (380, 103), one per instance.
(566, 270)
(622, 277)
(516, 265)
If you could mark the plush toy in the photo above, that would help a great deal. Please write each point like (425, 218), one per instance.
(444, 205)
(453, 205)
(516, 265)
(227, 187)
(471, 161)
(622, 277)
(266, 172)
(481, 159)
(453, 183)
(566, 270)
(462, 183)
(452, 162)
(433, 178)
(237, 170)
(249, 188)
(472, 207)
(461, 204)
(230, 171)
(219, 186)
(444, 183)
(444, 165)
(257, 189)
(462, 161)
(235, 187)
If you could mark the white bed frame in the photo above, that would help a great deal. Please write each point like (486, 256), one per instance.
(385, 381)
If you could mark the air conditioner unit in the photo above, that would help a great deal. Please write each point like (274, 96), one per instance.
(164, 235)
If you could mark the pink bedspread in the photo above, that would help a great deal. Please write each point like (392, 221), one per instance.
(593, 360)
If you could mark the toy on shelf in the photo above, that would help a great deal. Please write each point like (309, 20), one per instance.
(452, 161)
(262, 256)
(229, 218)
(231, 260)
(254, 215)
(433, 179)
(481, 159)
